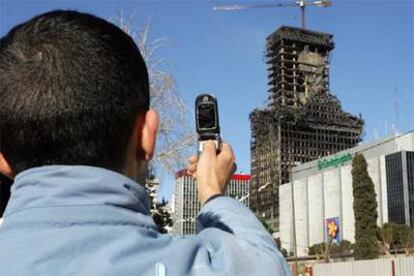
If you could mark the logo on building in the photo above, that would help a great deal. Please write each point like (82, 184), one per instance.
(332, 230)
(335, 161)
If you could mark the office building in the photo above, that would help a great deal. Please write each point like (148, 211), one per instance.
(185, 199)
(323, 192)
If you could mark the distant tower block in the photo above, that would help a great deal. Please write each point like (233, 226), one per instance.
(303, 120)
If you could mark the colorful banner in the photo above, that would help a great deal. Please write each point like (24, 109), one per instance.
(332, 230)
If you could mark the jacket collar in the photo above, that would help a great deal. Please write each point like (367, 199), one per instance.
(54, 186)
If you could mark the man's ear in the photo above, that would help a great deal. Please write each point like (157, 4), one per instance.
(147, 136)
(5, 168)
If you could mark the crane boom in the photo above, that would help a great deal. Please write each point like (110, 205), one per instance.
(302, 4)
(251, 6)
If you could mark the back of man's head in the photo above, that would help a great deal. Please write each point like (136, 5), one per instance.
(71, 87)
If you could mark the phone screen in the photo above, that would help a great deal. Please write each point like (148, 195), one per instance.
(206, 116)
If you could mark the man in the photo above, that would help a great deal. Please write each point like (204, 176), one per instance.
(76, 134)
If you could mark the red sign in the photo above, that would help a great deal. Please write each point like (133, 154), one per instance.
(240, 177)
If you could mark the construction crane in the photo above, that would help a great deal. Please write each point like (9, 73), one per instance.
(301, 3)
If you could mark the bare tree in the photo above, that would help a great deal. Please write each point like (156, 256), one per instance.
(175, 137)
(386, 238)
(160, 211)
(321, 250)
(407, 239)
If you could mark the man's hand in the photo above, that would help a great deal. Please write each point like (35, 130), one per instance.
(213, 172)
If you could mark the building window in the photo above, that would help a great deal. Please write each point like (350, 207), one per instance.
(395, 188)
(410, 175)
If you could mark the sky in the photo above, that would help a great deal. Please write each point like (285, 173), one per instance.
(222, 52)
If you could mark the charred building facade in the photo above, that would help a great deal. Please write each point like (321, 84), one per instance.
(303, 120)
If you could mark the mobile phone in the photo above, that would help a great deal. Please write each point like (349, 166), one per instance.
(207, 120)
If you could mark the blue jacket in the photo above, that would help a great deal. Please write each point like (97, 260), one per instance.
(80, 220)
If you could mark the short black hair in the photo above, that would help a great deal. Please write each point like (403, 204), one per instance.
(71, 88)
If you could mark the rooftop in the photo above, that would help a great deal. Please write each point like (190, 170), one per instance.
(302, 35)
(380, 147)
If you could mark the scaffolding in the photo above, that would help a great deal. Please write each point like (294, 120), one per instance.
(303, 120)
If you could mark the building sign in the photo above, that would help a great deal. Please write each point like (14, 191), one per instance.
(333, 233)
(335, 161)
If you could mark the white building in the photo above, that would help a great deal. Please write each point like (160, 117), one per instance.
(323, 192)
(185, 199)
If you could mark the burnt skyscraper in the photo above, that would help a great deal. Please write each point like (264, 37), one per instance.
(303, 120)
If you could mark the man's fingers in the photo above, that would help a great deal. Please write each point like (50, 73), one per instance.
(226, 153)
(192, 168)
(213, 170)
(192, 159)
(191, 173)
(192, 165)
(209, 148)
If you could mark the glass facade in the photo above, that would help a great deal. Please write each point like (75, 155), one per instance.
(410, 176)
(191, 206)
(395, 188)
